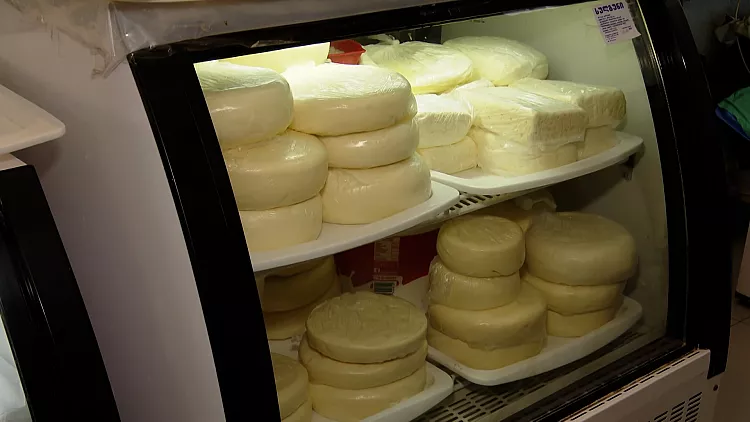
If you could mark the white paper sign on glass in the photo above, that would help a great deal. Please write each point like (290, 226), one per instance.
(615, 22)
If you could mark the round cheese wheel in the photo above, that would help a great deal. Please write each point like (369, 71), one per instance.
(247, 104)
(481, 246)
(481, 358)
(364, 327)
(560, 325)
(287, 324)
(442, 120)
(580, 250)
(285, 170)
(337, 99)
(303, 414)
(568, 300)
(291, 383)
(501, 60)
(282, 59)
(372, 149)
(519, 322)
(283, 226)
(360, 196)
(354, 405)
(293, 269)
(357, 376)
(597, 140)
(287, 293)
(452, 158)
(471, 293)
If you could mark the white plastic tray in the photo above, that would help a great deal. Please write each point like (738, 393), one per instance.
(337, 237)
(558, 352)
(23, 124)
(478, 182)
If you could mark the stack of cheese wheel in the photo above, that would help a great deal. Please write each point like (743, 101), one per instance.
(292, 389)
(364, 117)
(291, 293)
(580, 263)
(364, 353)
(481, 314)
(444, 122)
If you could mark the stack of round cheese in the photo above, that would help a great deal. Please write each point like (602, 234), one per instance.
(480, 313)
(444, 123)
(364, 353)
(580, 263)
(292, 389)
(364, 116)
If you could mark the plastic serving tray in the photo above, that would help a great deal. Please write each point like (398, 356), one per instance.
(23, 124)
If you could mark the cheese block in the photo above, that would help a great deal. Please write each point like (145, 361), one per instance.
(302, 414)
(364, 327)
(597, 140)
(442, 120)
(283, 226)
(479, 83)
(247, 104)
(287, 324)
(578, 325)
(372, 149)
(580, 249)
(482, 358)
(361, 196)
(521, 321)
(337, 99)
(358, 376)
(501, 60)
(520, 117)
(285, 170)
(287, 293)
(291, 383)
(508, 158)
(481, 246)
(429, 68)
(285, 58)
(451, 159)
(470, 293)
(354, 405)
(568, 300)
(604, 105)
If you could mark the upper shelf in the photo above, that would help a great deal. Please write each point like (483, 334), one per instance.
(23, 124)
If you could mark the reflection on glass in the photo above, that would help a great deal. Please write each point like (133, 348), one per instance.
(12, 401)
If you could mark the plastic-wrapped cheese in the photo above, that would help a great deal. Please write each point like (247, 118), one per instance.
(361, 196)
(501, 60)
(364, 327)
(483, 358)
(291, 383)
(442, 120)
(372, 149)
(287, 324)
(286, 58)
(525, 118)
(568, 300)
(283, 226)
(452, 158)
(479, 83)
(285, 170)
(481, 246)
(580, 249)
(471, 293)
(429, 68)
(597, 140)
(287, 293)
(247, 104)
(337, 99)
(302, 414)
(508, 158)
(578, 325)
(604, 105)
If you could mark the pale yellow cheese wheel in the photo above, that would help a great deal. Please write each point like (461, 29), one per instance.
(292, 386)
(302, 414)
(287, 324)
(470, 293)
(559, 325)
(481, 358)
(569, 300)
(287, 293)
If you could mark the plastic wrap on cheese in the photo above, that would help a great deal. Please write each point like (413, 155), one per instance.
(450, 159)
(430, 68)
(373, 149)
(283, 59)
(284, 226)
(442, 120)
(604, 105)
(501, 60)
(507, 158)
(597, 140)
(479, 83)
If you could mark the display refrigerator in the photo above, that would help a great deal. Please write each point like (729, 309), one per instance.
(446, 210)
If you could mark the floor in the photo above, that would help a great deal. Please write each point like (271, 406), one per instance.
(734, 399)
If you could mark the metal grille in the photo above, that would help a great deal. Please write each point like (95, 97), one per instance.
(681, 412)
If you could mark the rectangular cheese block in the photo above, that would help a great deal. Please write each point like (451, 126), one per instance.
(508, 159)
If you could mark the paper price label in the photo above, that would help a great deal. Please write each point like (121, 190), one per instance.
(615, 22)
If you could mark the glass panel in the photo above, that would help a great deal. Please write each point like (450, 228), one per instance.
(12, 400)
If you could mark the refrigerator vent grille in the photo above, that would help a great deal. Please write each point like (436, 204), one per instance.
(682, 412)
(468, 202)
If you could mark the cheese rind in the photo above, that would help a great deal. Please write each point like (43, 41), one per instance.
(501, 60)
(578, 325)
(451, 159)
(291, 383)
(597, 140)
(302, 414)
(287, 324)
(569, 300)
(482, 358)
(372, 149)
(284, 226)
(517, 159)
(285, 170)
(363, 327)
(481, 246)
(470, 293)
(442, 120)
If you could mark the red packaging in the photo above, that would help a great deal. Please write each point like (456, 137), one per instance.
(352, 51)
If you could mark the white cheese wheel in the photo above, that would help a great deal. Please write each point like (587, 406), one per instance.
(357, 376)
(569, 300)
(597, 140)
(364, 327)
(285, 58)
(481, 246)
(482, 358)
(442, 120)
(470, 293)
(285, 170)
(580, 249)
(302, 414)
(283, 226)
(372, 149)
(287, 324)
(247, 104)
(361, 196)
(519, 322)
(452, 158)
(354, 405)
(287, 293)
(337, 99)
(501, 60)
(293, 269)
(291, 383)
(578, 325)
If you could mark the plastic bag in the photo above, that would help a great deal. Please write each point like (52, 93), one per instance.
(501, 60)
(452, 158)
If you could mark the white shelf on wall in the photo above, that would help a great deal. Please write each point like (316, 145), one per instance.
(23, 124)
